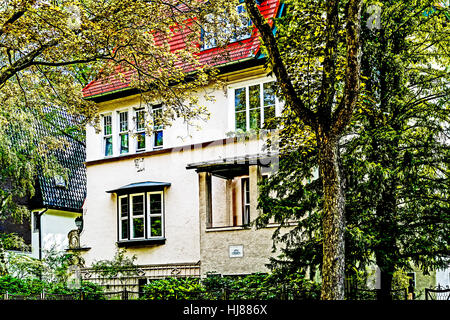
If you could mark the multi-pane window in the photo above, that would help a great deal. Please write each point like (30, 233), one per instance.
(158, 133)
(243, 32)
(254, 106)
(140, 130)
(123, 132)
(236, 33)
(107, 135)
(140, 216)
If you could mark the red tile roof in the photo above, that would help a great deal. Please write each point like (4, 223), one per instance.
(235, 51)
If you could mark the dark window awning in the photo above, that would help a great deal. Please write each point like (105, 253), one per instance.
(141, 186)
(229, 168)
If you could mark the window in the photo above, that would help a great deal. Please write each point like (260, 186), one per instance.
(157, 114)
(123, 132)
(155, 214)
(242, 31)
(36, 221)
(140, 216)
(60, 182)
(107, 135)
(140, 130)
(254, 106)
(238, 33)
(137, 216)
(123, 217)
(245, 201)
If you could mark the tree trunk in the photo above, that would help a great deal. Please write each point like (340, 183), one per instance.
(3, 263)
(384, 294)
(333, 222)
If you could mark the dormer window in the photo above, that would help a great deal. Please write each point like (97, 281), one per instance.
(241, 32)
(60, 182)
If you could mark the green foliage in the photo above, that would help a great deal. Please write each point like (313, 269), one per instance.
(213, 287)
(174, 288)
(120, 267)
(394, 155)
(34, 287)
(53, 268)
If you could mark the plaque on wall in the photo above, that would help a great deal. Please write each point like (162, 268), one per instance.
(236, 251)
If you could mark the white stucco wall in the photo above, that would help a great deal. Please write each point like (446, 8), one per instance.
(55, 226)
(443, 277)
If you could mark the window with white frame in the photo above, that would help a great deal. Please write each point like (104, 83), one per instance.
(238, 33)
(141, 216)
(123, 132)
(140, 129)
(254, 106)
(137, 216)
(155, 200)
(124, 223)
(107, 135)
(158, 128)
(245, 201)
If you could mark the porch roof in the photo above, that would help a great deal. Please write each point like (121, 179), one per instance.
(147, 185)
(229, 168)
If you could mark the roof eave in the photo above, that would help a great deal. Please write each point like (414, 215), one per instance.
(255, 59)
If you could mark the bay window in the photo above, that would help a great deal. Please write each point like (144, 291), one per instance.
(140, 216)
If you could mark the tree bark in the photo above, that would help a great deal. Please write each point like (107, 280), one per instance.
(384, 293)
(3, 262)
(333, 220)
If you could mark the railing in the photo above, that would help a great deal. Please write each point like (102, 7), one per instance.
(440, 293)
(129, 278)
(372, 294)
(42, 296)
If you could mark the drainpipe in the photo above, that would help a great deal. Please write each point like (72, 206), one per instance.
(40, 232)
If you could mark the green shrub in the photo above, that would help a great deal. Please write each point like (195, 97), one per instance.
(174, 288)
(33, 286)
(255, 286)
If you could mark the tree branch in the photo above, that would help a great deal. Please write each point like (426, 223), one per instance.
(278, 66)
(344, 112)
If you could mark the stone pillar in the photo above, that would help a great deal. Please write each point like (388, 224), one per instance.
(254, 173)
(205, 205)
